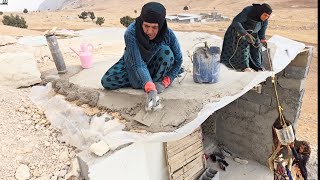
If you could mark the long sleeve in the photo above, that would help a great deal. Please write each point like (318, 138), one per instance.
(175, 47)
(262, 31)
(240, 18)
(303, 165)
(133, 60)
(301, 160)
(295, 154)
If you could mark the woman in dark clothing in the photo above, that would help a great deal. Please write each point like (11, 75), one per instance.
(243, 39)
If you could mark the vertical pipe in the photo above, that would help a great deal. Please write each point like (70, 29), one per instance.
(56, 54)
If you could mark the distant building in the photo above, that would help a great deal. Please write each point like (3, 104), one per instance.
(191, 18)
(184, 18)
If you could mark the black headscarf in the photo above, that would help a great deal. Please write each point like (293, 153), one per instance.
(258, 10)
(151, 12)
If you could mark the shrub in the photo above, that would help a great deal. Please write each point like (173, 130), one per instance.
(15, 21)
(25, 10)
(186, 8)
(92, 17)
(100, 20)
(126, 20)
(83, 15)
(1, 12)
(135, 11)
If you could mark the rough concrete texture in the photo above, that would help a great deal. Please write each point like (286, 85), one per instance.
(244, 125)
(182, 101)
(75, 93)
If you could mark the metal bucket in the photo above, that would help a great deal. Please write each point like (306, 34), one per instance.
(206, 64)
(285, 135)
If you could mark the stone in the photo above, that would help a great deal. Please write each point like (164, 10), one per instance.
(64, 155)
(99, 148)
(303, 59)
(248, 106)
(23, 172)
(21, 109)
(72, 154)
(53, 178)
(75, 171)
(46, 143)
(36, 173)
(18, 70)
(61, 173)
(294, 72)
(264, 109)
(294, 84)
(254, 97)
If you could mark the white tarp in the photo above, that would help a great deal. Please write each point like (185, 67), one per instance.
(282, 52)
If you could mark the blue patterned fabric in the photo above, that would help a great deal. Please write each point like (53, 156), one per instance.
(132, 70)
(237, 53)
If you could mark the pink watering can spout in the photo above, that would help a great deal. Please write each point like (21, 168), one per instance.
(74, 51)
(85, 55)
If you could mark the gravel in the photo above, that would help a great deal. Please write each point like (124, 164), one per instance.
(29, 145)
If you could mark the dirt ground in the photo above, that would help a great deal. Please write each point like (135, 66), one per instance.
(288, 20)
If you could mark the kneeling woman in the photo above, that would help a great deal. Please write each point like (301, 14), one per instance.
(242, 43)
(152, 58)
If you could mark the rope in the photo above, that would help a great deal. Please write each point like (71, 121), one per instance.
(280, 109)
(282, 123)
(234, 52)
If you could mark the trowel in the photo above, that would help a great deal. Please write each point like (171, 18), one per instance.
(155, 107)
(150, 114)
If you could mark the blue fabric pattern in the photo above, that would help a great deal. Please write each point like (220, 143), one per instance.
(132, 70)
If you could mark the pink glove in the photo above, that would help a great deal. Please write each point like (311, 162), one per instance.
(166, 81)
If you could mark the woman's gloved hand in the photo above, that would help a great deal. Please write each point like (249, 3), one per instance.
(250, 38)
(160, 87)
(264, 43)
(151, 99)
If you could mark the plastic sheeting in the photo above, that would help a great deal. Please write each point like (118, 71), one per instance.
(75, 124)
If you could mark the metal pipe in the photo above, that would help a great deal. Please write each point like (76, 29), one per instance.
(56, 54)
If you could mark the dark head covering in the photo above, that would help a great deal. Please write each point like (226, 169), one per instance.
(258, 10)
(151, 12)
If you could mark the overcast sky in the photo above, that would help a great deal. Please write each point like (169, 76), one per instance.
(19, 5)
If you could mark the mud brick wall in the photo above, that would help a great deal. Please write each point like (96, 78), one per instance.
(244, 125)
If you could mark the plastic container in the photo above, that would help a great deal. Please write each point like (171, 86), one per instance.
(206, 64)
(86, 59)
(85, 55)
(285, 135)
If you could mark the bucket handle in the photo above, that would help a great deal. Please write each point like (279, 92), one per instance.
(192, 48)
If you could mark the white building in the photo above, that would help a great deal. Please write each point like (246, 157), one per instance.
(184, 17)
